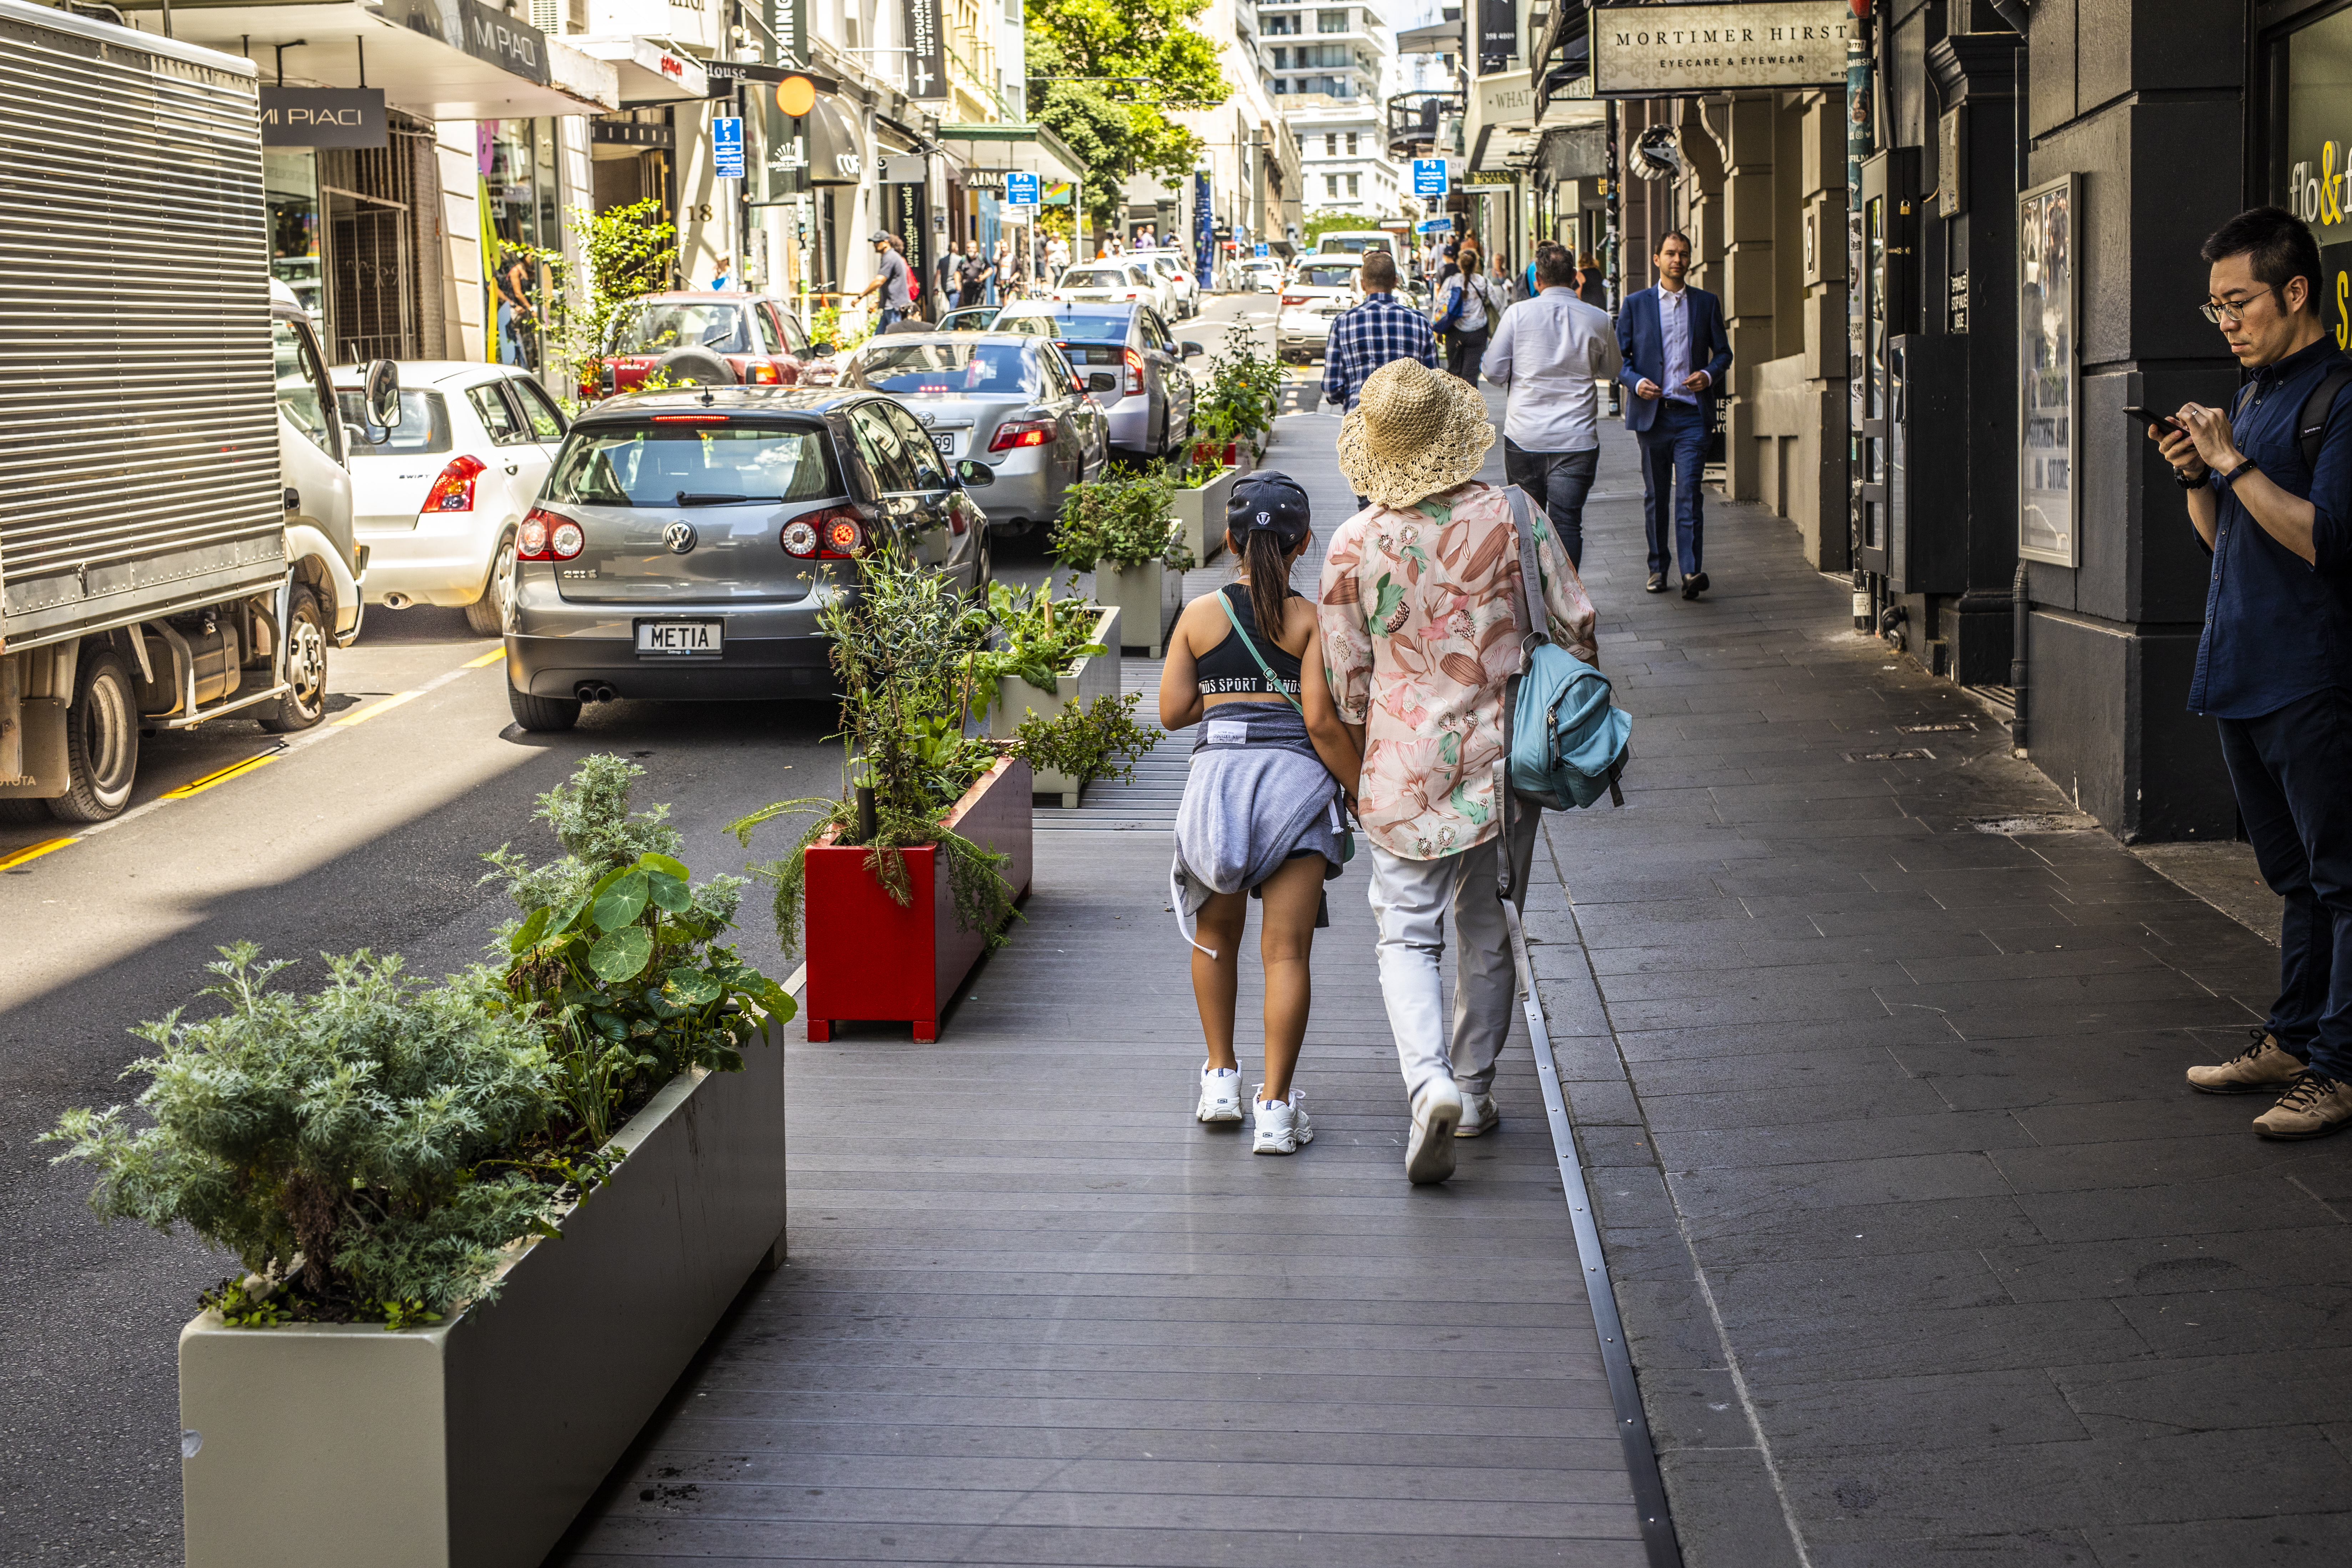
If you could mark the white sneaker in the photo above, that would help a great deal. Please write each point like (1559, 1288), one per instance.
(1479, 1115)
(1282, 1125)
(1429, 1153)
(1221, 1095)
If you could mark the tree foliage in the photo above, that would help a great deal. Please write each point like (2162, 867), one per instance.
(1106, 72)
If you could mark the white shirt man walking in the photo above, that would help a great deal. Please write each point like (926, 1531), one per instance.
(1550, 354)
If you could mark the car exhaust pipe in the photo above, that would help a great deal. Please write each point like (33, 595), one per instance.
(397, 601)
(596, 692)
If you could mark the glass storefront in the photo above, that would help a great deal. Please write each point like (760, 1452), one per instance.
(516, 159)
(289, 182)
(2309, 137)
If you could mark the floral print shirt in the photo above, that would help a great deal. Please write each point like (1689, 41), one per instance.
(1419, 611)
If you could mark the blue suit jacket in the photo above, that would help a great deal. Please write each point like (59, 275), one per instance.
(1642, 347)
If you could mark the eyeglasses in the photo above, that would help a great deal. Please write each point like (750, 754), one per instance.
(2231, 312)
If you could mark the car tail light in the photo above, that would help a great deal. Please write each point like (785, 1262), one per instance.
(836, 533)
(546, 536)
(1015, 433)
(1134, 371)
(454, 491)
(761, 372)
(690, 418)
(1294, 298)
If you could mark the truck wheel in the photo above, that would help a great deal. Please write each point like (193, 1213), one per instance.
(306, 668)
(485, 617)
(542, 713)
(102, 742)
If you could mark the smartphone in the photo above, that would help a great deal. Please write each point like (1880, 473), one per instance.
(2144, 417)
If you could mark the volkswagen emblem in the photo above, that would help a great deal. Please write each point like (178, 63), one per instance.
(679, 537)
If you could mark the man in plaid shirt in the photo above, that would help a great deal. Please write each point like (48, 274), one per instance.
(1370, 335)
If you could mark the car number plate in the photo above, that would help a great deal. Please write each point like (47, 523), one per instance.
(944, 442)
(680, 639)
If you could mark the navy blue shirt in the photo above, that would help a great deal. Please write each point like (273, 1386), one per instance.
(2277, 628)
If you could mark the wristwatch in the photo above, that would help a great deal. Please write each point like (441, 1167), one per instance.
(2230, 481)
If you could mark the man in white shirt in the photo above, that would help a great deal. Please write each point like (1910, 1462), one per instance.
(1548, 353)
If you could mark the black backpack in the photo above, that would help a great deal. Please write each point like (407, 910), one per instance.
(2312, 423)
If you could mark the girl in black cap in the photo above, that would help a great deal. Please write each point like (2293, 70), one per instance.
(1261, 814)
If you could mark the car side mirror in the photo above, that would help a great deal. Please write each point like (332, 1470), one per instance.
(1193, 350)
(1102, 381)
(820, 349)
(379, 394)
(973, 476)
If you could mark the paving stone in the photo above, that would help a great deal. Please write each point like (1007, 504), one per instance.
(1727, 1511)
(1838, 1184)
(1955, 1410)
(2253, 1258)
(1823, 1139)
(1872, 1343)
(2273, 1540)
(1873, 1092)
(2255, 1387)
(1866, 1230)
(2025, 1549)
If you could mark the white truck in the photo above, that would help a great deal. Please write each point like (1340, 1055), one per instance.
(175, 511)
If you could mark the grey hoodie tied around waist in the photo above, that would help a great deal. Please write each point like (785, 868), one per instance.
(1257, 792)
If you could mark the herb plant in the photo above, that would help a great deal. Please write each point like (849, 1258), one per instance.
(1127, 520)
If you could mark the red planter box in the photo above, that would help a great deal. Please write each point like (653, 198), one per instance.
(869, 957)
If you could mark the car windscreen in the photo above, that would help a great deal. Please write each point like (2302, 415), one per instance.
(657, 326)
(424, 422)
(1095, 278)
(1093, 327)
(1353, 244)
(690, 460)
(945, 370)
(1326, 276)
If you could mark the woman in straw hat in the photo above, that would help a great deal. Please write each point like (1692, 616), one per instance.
(1419, 616)
(1261, 814)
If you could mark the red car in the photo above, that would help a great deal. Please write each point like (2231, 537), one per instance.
(706, 336)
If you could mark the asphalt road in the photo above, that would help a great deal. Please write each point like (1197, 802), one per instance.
(365, 832)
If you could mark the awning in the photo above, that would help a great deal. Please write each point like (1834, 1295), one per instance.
(648, 72)
(1437, 38)
(836, 154)
(398, 47)
(1502, 147)
(1012, 145)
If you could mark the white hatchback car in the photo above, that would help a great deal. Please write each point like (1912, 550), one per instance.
(1184, 288)
(1321, 287)
(1114, 280)
(438, 502)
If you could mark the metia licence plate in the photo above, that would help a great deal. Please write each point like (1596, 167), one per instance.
(681, 639)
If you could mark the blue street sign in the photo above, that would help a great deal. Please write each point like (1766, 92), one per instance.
(1020, 190)
(1260, 250)
(1429, 176)
(727, 148)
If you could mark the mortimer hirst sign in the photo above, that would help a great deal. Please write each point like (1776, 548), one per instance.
(1639, 51)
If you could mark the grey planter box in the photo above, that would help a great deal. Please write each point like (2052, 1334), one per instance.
(474, 1443)
(1091, 677)
(1200, 516)
(1147, 597)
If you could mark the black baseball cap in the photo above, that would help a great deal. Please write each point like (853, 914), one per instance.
(1272, 500)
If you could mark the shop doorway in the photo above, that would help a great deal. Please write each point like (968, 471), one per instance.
(368, 199)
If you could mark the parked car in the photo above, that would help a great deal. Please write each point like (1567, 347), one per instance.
(1321, 287)
(688, 541)
(438, 498)
(709, 337)
(967, 319)
(1133, 367)
(1260, 274)
(1184, 289)
(1010, 401)
(1120, 281)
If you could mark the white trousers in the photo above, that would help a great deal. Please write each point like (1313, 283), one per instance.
(1410, 901)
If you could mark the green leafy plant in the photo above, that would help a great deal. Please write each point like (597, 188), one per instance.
(1199, 475)
(828, 326)
(1126, 518)
(335, 1142)
(1083, 741)
(625, 253)
(1036, 638)
(1243, 392)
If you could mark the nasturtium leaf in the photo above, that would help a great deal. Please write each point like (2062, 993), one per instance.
(665, 865)
(692, 986)
(669, 892)
(619, 904)
(620, 954)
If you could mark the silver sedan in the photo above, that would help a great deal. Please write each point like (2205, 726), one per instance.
(1011, 401)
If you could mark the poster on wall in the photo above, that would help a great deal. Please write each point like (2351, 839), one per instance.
(2049, 374)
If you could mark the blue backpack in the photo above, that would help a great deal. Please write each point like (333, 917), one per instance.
(1566, 742)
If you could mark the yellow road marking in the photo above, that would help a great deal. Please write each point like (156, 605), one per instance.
(220, 776)
(492, 656)
(34, 852)
(370, 711)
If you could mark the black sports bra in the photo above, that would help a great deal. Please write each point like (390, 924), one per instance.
(1228, 667)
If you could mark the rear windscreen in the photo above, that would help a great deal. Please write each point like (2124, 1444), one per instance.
(944, 370)
(688, 464)
(1095, 354)
(424, 423)
(1073, 328)
(1315, 276)
(655, 327)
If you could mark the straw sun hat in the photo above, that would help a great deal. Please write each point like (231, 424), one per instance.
(1413, 432)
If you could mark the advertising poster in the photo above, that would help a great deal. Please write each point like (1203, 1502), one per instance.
(2050, 377)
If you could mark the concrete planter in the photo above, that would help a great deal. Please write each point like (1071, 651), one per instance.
(1091, 676)
(1147, 597)
(1200, 516)
(473, 1443)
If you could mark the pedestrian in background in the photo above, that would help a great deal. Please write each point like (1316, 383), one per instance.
(892, 281)
(1261, 814)
(1465, 311)
(1371, 333)
(1592, 285)
(1419, 613)
(1674, 348)
(972, 273)
(1057, 255)
(1550, 355)
(2274, 663)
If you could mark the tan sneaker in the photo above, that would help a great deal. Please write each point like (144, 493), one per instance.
(2316, 1106)
(2262, 1067)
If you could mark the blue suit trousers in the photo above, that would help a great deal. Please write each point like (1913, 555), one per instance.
(1673, 452)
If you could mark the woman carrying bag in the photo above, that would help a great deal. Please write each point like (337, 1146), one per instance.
(1465, 314)
(1261, 815)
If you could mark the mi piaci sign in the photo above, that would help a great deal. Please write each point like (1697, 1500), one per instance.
(1642, 51)
(322, 117)
(490, 35)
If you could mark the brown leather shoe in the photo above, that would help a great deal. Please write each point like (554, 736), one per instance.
(2262, 1067)
(2316, 1106)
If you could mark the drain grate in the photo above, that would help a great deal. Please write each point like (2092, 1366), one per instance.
(1908, 755)
(2036, 821)
(1930, 729)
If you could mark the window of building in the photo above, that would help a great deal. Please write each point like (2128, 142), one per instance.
(1281, 60)
(1352, 143)
(1330, 184)
(1330, 146)
(1331, 21)
(1351, 185)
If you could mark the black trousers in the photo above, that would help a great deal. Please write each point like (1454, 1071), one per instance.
(2290, 769)
(1463, 352)
(1559, 482)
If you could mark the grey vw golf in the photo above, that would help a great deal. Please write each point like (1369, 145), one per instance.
(685, 542)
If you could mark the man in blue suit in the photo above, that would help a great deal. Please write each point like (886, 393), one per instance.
(1674, 352)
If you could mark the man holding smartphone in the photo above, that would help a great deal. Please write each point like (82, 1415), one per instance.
(2274, 664)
